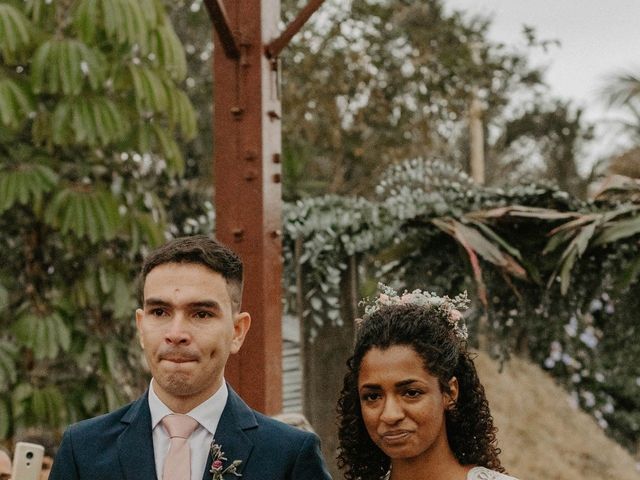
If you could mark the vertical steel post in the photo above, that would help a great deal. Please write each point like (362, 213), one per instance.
(247, 143)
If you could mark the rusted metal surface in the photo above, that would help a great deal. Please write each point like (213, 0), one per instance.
(220, 20)
(276, 46)
(247, 141)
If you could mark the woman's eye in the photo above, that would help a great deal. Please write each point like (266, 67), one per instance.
(413, 393)
(370, 397)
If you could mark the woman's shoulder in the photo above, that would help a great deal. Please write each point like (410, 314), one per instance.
(482, 473)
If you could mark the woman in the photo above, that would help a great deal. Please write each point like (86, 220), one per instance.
(412, 406)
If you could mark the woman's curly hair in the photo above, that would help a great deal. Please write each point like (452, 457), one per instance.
(470, 430)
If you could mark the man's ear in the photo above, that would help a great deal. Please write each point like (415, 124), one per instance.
(452, 396)
(241, 325)
(139, 317)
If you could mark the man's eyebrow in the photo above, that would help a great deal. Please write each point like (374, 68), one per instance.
(155, 302)
(158, 302)
(205, 304)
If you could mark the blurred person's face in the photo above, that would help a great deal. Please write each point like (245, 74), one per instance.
(47, 463)
(5, 466)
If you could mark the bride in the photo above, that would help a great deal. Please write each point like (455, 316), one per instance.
(412, 406)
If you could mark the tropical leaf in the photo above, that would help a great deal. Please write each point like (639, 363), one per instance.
(521, 211)
(38, 406)
(126, 22)
(476, 241)
(170, 150)
(45, 335)
(40, 11)
(66, 66)
(144, 229)
(16, 103)
(92, 121)
(168, 49)
(612, 232)
(8, 369)
(150, 89)
(86, 212)
(5, 418)
(153, 138)
(25, 184)
(16, 34)
(181, 113)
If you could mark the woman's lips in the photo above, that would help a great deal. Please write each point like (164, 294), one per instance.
(395, 436)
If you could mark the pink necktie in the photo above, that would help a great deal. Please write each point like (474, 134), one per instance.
(177, 464)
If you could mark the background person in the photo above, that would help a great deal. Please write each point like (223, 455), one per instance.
(412, 406)
(5, 463)
(189, 425)
(47, 440)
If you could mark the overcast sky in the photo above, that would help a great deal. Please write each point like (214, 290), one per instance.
(598, 38)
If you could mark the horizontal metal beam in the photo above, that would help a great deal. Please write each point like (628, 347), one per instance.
(221, 24)
(276, 46)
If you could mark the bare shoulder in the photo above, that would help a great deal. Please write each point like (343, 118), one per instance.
(481, 473)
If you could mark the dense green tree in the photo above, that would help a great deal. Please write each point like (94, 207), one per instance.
(91, 105)
(371, 83)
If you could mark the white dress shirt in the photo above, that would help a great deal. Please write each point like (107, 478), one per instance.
(207, 414)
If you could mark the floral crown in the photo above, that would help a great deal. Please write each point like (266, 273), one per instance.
(449, 308)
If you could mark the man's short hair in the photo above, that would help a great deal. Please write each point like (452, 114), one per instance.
(46, 439)
(199, 250)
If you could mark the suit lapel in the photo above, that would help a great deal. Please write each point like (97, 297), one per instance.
(230, 434)
(135, 443)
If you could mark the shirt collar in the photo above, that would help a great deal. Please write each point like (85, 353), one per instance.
(207, 414)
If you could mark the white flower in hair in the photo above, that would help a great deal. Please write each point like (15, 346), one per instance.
(450, 308)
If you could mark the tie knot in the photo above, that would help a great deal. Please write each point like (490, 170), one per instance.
(178, 425)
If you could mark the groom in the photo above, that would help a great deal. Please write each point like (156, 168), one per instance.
(189, 324)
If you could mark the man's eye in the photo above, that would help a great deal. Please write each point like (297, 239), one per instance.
(203, 314)
(158, 312)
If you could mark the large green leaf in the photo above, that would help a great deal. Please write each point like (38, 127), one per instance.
(169, 51)
(85, 212)
(16, 103)
(16, 34)
(127, 22)
(45, 335)
(92, 121)
(618, 230)
(8, 369)
(25, 184)
(181, 113)
(150, 89)
(66, 66)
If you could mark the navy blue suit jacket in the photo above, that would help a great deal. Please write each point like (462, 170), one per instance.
(119, 446)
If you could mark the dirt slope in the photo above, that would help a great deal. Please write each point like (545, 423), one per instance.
(541, 436)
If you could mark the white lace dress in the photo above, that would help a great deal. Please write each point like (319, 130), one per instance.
(477, 473)
(481, 473)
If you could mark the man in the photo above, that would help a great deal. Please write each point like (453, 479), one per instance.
(5, 464)
(189, 324)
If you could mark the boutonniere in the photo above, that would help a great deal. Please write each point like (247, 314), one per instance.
(217, 465)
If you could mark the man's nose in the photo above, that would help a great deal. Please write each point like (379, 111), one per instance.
(178, 332)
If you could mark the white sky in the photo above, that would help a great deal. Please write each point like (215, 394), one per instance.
(598, 38)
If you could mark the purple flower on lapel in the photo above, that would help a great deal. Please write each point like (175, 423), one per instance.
(217, 465)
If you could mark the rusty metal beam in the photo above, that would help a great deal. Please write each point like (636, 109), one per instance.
(248, 196)
(220, 20)
(276, 46)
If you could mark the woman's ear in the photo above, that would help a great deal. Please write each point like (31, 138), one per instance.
(451, 397)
